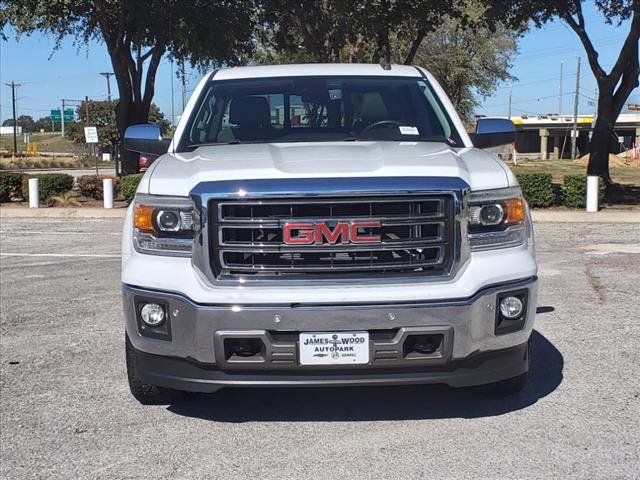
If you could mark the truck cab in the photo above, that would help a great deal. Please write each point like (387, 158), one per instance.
(325, 225)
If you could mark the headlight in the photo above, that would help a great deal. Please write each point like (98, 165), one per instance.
(497, 218)
(163, 225)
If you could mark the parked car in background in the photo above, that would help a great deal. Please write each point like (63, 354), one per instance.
(326, 225)
(145, 161)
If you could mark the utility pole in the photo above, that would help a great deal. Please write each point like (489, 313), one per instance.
(107, 75)
(62, 117)
(560, 90)
(13, 86)
(510, 94)
(574, 135)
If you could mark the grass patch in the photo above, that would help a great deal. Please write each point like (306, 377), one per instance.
(45, 143)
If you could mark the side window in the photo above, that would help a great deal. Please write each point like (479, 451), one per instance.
(441, 119)
(203, 123)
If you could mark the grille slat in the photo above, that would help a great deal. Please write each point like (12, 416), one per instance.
(416, 236)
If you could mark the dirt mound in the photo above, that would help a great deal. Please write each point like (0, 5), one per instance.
(619, 160)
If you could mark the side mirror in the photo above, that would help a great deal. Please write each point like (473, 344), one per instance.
(145, 138)
(493, 132)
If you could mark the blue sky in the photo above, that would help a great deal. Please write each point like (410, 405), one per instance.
(73, 72)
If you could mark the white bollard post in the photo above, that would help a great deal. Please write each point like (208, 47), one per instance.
(592, 193)
(34, 193)
(107, 192)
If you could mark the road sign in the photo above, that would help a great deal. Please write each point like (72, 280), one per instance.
(69, 115)
(91, 134)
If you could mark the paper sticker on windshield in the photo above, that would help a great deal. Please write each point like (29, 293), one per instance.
(407, 130)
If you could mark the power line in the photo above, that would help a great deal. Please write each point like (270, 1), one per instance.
(526, 100)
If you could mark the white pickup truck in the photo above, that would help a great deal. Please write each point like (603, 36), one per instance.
(325, 225)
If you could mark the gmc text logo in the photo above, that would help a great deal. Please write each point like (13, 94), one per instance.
(319, 233)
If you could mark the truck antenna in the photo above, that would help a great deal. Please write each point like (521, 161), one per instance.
(384, 63)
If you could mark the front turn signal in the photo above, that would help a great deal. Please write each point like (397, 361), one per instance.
(143, 218)
(516, 210)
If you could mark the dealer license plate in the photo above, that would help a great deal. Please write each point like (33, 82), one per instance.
(334, 348)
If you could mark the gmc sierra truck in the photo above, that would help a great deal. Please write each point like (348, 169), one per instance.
(325, 225)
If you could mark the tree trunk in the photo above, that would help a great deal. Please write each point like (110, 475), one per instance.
(128, 113)
(603, 139)
(133, 107)
(624, 75)
(413, 49)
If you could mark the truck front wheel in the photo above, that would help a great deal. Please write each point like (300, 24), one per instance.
(143, 392)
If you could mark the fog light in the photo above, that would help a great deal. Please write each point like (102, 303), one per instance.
(511, 307)
(152, 314)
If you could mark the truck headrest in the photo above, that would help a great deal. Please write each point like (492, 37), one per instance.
(250, 112)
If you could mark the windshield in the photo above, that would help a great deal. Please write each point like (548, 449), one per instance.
(318, 109)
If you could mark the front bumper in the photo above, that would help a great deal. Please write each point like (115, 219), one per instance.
(192, 356)
(478, 369)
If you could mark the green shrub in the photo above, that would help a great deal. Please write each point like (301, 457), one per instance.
(129, 185)
(574, 191)
(10, 186)
(537, 189)
(90, 186)
(50, 184)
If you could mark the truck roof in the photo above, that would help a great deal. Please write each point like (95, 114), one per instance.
(316, 69)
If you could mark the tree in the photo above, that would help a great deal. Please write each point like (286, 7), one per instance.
(102, 115)
(615, 86)
(24, 121)
(468, 52)
(311, 31)
(468, 60)
(348, 30)
(138, 34)
(44, 123)
(157, 117)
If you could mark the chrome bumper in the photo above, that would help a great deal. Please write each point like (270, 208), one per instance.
(197, 331)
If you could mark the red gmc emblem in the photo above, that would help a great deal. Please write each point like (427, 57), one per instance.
(319, 233)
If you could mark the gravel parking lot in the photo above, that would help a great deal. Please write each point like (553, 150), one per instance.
(66, 411)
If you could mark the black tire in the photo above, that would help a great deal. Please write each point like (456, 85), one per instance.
(510, 386)
(143, 392)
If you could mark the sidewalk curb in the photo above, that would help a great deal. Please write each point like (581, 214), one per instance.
(539, 216)
(580, 216)
(62, 212)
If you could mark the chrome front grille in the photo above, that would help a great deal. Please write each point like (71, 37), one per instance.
(416, 233)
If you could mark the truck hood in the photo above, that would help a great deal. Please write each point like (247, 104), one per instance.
(178, 173)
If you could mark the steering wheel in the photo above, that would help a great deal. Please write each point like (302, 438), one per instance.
(378, 124)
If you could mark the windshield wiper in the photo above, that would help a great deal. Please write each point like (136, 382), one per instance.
(352, 138)
(209, 144)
